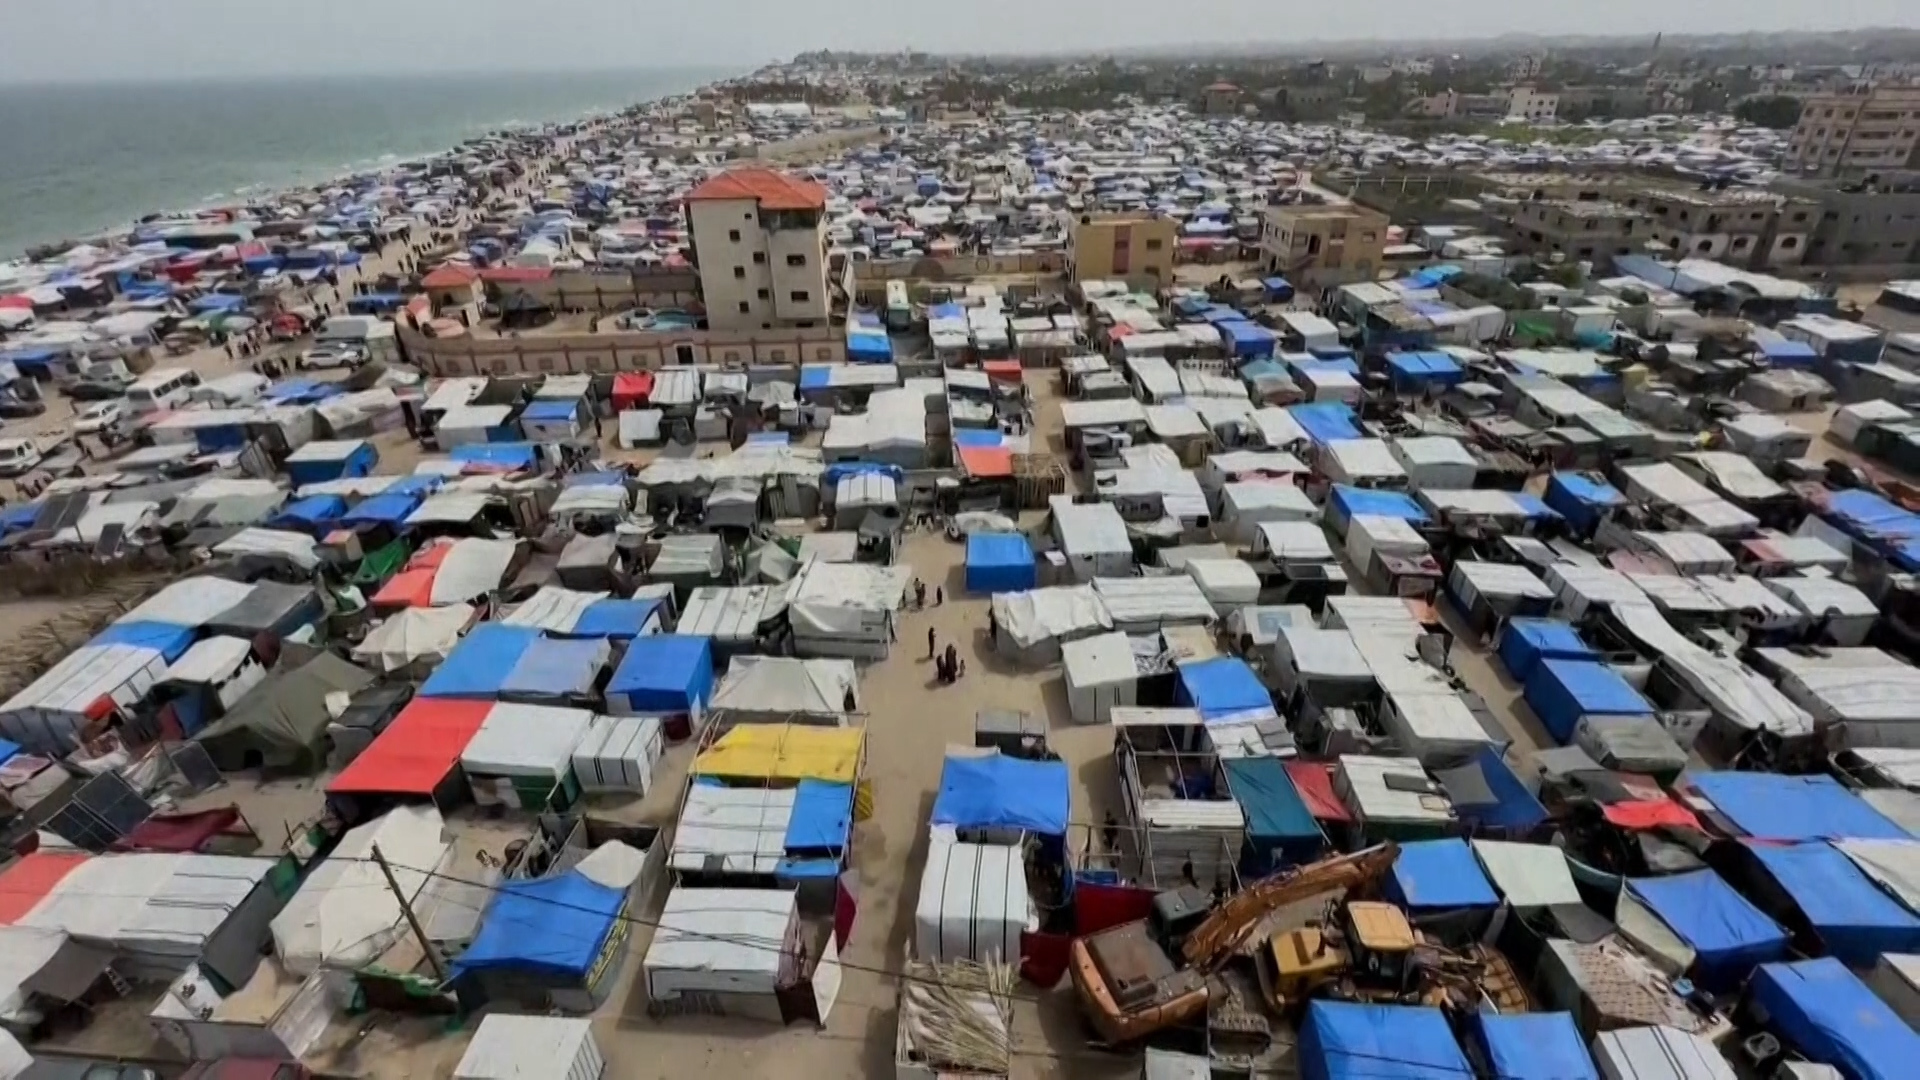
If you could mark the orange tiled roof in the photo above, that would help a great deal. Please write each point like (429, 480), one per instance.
(772, 190)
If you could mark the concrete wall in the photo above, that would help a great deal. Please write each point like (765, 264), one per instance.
(559, 354)
(613, 290)
(959, 267)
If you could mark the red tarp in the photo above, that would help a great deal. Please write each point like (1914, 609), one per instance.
(413, 586)
(417, 750)
(1003, 370)
(21, 302)
(1314, 781)
(1650, 814)
(1098, 907)
(180, 832)
(1044, 957)
(632, 390)
(28, 881)
(986, 461)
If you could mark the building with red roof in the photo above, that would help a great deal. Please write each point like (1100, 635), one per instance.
(759, 240)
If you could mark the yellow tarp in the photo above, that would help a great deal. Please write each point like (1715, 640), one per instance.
(784, 752)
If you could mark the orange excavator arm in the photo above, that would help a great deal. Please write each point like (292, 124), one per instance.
(1225, 931)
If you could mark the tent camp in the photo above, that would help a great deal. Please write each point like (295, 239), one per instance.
(1825, 1012)
(549, 943)
(345, 915)
(415, 639)
(774, 689)
(282, 723)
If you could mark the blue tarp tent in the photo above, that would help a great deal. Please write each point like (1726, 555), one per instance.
(8, 748)
(216, 302)
(19, 516)
(1768, 806)
(556, 669)
(1581, 499)
(609, 478)
(1279, 290)
(616, 619)
(1344, 502)
(480, 665)
(1325, 421)
(1526, 642)
(669, 673)
(492, 456)
(1786, 352)
(1422, 370)
(978, 437)
(1831, 1017)
(551, 412)
(1727, 933)
(1347, 1041)
(356, 460)
(1001, 792)
(1560, 692)
(1855, 920)
(557, 926)
(842, 469)
(1223, 687)
(312, 512)
(1281, 831)
(999, 562)
(1489, 798)
(1247, 341)
(387, 508)
(869, 349)
(822, 816)
(816, 376)
(1440, 875)
(168, 640)
(1532, 1046)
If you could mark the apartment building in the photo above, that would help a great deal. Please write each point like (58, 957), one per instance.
(1860, 130)
(1135, 248)
(1316, 238)
(760, 242)
(1594, 232)
(1863, 225)
(1755, 229)
(1531, 103)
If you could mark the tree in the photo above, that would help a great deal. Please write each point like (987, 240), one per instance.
(1777, 111)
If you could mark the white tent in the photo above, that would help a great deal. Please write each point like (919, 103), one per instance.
(844, 609)
(726, 830)
(973, 902)
(1100, 674)
(731, 945)
(779, 688)
(46, 716)
(423, 635)
(511, 1047)
(345, 915)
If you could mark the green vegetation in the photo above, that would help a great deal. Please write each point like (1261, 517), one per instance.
(1778, 111)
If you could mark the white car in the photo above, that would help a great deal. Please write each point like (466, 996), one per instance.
(333, 355)
(99, 416)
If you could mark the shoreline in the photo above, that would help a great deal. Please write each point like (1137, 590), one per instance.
(262, 192)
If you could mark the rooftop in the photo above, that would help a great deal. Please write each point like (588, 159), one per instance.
(772, 190)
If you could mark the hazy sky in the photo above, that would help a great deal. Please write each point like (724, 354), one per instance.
(45, 40)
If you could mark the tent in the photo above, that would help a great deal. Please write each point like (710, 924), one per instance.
(999, 562)
(662, 673)
(995, 791)
(345, 914)
(1346, 1041)
(1847, 910)
(973, 902)
(1223, 688)
(553, 930)
(455, 572)
(1489, 797)
(424, 636)
(1281, 830)
(1723, 935)
(1101, 675)
(1820, 1009)
(1531, 1046)
(483, 662)
(1768, 806)
(1439, 875)
(783, 753)
(282, 723)
(416, 752)
(558, 670)
(1561, 692)
(729, 944)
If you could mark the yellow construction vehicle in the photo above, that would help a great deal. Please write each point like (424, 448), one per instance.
(1368, 951)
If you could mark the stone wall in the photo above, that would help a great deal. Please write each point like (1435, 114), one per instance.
(561, 354)
(609, 291)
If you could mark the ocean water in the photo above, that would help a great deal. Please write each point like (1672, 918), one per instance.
(77, 159)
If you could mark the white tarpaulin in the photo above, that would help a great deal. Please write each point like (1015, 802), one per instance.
(1528, 875)
(720, 941)
(1728, 687)
(553, 608)
(973, 902)
(473, 568)
(845, 600)
(783, 686)
(345, 915)
(425, 634)
(1895, 864)
(1040, 619)
(296, 548)
(194, 602)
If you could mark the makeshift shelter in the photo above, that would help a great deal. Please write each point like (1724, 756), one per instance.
(973, 902)
(618, 754)
(1100, 675)
(1659, 1053)
(323, 460)
(736, 948)
(521, 756)
(1440, 881)
(1525, 642)
(1769, 806)
(1822, 1010)
(1000, 562)
(50, 713)
(1531, 1046)
(507, 1046)
(777, 689)
(1836, 906)
(1002, 794)
(1489, 798)
(845, 609)
(1281, 830)
(1562, 692)
(416, 754)
(414, 640)
(1709, 929)
(1348, 1041)
(548, 943)
(1527, 875)
(1035, 624)
(1224, 689)
(783, 753)
(345, 914)
(663, 673)
(282, 723)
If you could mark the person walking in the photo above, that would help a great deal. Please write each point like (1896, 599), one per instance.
(939, 595)
(919, 593)
(931, 646)
(953, 660)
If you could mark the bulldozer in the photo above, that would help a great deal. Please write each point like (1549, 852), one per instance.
(1150, 974)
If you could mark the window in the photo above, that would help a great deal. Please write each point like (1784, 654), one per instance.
(1313, 244)
(759, 258)
(799, 296)
(796, 260)
(740, 273)
(1155, 244)
(1789, 243)
(1740, 242)
(733, 235)
(745, 307)
(763, 294)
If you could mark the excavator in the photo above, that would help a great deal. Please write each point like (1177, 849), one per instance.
(1131, 985)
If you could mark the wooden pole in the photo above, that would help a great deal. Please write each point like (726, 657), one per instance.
(406, 908)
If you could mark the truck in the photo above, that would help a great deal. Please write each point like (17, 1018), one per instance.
(21, 456)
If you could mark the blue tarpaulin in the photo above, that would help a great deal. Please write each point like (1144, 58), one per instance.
(816, 376)
(8, 748)
(1423, 369)
(1279, 289)
(978, 437)
(822, 816)
(841, 470)
(997, 791)
(19, 516)
(216, 302)
(1532, 1046)
(386, 508)
(1347, 1041)
(617, 619)
(1280, 828)
(551, 411)
(1854, 918)
(169, 640)
(1831, 1017)
(999, 562)
(1768, 806)
(563, 668)
(480, 665)
(1245, 340)
(669, 673)
(1526, 642)
(1440, 875)
(1497, 801)
(1343, 502)
(1223, 687)
(1325, 421)
(1727, 933)
(1582, 499)
(1786, 352)
(609, 478)
(555, 925)
(869, 349)
(1561, 692)
(505, 456)
(310, 512)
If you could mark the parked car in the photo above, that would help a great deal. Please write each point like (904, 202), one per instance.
(331, 355)
(99, 416)
(97, 388)
(15, 408)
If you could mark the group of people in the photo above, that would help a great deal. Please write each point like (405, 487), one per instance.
(948, 664)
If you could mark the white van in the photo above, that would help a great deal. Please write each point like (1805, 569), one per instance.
(157, 391)
(19, 456)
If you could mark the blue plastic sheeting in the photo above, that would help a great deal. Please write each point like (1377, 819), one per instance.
(1325, 421)
(1433, 276)
(1560, 692)
(1856, 921)
(19, 516)
(1728, 935)
(495, 455)
(1003, 792)
(1534, 507)
(610, 478)
(480, 665)
(557, 668)
(999, 562)
(554, 925)
(1278, 820)
(947, 311)
(418, 484)
(822, 816)
(1435, 368)
(1248, 340)
(551, 410)
(387, 508)
(216, 302)
(1344, 502)
(840, 471)
(8, 748)
(671, 673)
(978, 437)
(1345, 1041)
(309, 512)
(1767, 806)
(816, 376)
(168, 640)
(1223, 687)
(869, 348)
(617, 619)
(1440, 875)
(1526, 642)
(1221, 314)
(1533, 1046)
(1827, 1014)
(1513, 810)
(1278, 289)
(1581, 499)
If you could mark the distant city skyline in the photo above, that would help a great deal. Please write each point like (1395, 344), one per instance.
(92, 40)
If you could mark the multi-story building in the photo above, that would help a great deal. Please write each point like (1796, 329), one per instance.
(1862, 225)
(1220, 98)
(1527, 102)
(1316, 238)
(759, 242)
(1594, 232)
(1860, 130)
(1755, 229)
(1135, 248)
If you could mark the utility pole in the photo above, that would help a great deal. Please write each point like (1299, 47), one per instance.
(406, 908)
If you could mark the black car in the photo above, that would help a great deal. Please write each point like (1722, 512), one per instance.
(95, 389)
(17, 408)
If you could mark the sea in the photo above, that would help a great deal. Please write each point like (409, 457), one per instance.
(78, 159)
